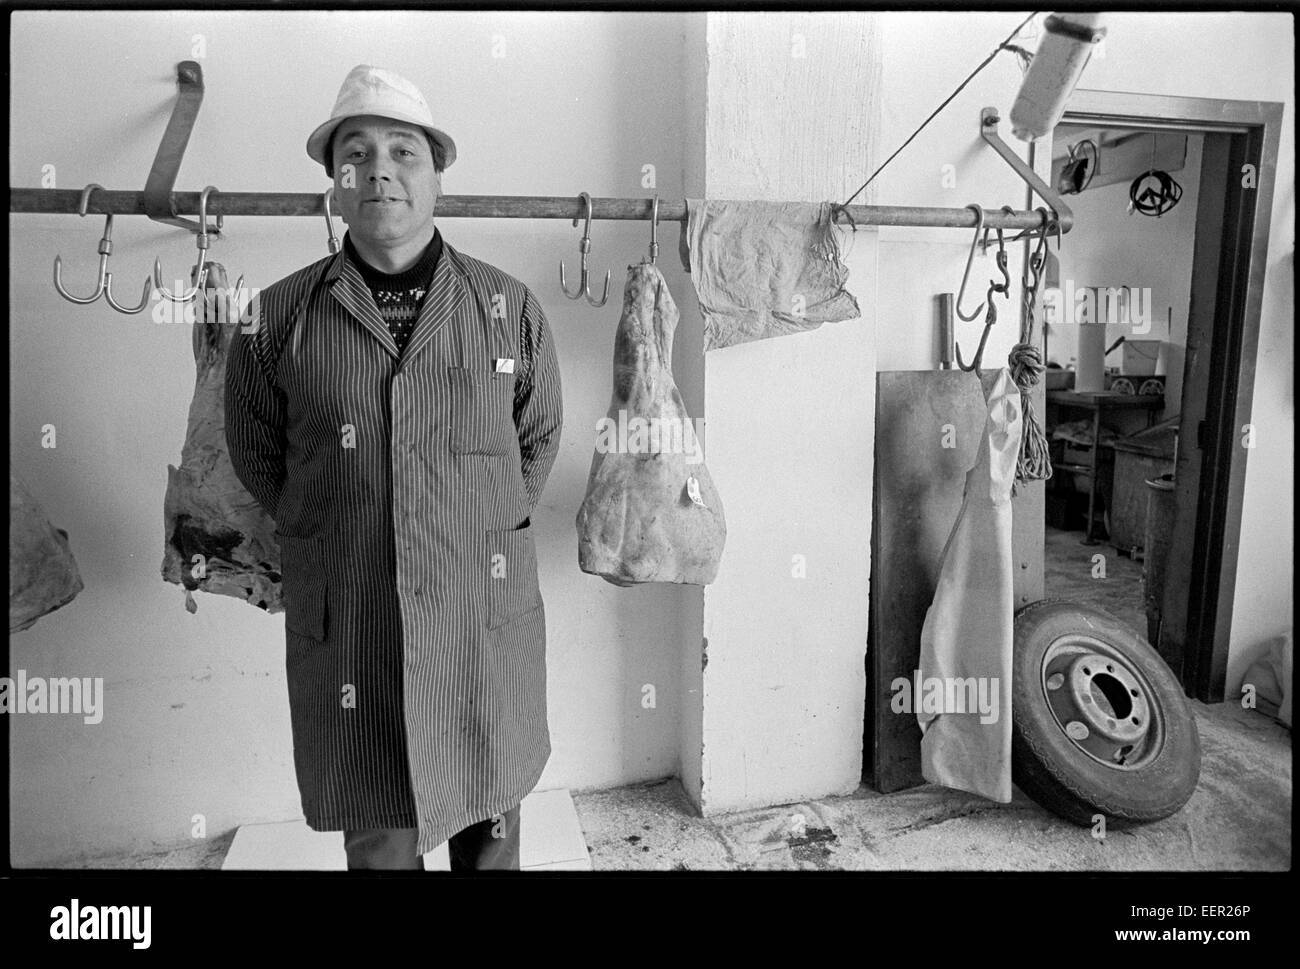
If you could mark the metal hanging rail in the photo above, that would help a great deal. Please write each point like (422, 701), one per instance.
(161, 204)
(66, 201)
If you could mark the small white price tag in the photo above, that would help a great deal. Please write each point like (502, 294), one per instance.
(504, 366)
(693, 490)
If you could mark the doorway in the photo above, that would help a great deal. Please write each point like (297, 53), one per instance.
(1115, 337)
(1188, 307)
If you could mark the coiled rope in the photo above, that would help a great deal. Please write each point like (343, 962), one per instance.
(1026, 364)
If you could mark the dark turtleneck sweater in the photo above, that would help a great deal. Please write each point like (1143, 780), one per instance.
(399, 295)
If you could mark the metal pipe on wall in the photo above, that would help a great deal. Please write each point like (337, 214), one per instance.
(65, 201)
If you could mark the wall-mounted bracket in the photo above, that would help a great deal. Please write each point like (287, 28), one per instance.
(1062, 217)
(158, 203)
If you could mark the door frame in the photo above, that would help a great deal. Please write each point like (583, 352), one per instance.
(1223, 339)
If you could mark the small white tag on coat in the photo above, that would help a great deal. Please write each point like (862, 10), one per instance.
(504, 366)
(693, 490)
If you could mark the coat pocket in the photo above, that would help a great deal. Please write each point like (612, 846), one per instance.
(512, 575)
(482, 411)
(302, 578)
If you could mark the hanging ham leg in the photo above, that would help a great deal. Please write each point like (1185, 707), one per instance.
(651, 513)
(207, 511)
(42, 572)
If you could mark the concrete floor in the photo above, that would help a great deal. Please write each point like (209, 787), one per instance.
(1068, 574)
(1239, 819)
(207, 854)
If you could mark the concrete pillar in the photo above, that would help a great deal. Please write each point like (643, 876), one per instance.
(774, 696)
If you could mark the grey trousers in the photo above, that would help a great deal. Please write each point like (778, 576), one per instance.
(487, 845)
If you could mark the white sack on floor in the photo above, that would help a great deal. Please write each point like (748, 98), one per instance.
(1270, 675)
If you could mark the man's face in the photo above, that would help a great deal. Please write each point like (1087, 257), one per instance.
(385, 184)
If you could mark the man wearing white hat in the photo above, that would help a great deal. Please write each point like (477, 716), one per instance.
(397, 410)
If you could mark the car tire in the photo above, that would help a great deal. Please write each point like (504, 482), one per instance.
(1100, 724)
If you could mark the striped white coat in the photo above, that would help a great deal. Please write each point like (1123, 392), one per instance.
(402, 491)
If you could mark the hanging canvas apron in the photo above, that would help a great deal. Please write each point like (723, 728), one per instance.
(964, 689)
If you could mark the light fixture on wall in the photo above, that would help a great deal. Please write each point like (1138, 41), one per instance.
(1066, 47)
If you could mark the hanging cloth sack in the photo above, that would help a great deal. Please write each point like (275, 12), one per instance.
(764, 269)
(964, 688)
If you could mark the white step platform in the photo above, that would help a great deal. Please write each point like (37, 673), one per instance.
(550, 839)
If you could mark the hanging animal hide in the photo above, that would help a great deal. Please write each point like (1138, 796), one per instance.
(43, 574)
(218, 539)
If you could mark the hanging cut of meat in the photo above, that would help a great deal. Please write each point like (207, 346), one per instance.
(42, 572)
(651, 513)
(207, 511)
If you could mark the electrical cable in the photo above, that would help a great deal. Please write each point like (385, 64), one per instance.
(1005, 45)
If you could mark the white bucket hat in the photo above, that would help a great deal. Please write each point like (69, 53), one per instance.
(375, 91)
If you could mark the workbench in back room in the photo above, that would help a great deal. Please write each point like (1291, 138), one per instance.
(1098, 403)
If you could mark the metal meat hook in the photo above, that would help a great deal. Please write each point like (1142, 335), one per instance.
(654, 230)
(991, 316)
(584, 247)
(103, 256)
(200, 271)
(329, 220)
(105, 285)
(979, 224)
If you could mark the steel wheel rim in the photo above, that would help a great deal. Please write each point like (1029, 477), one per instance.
(1102, 702)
